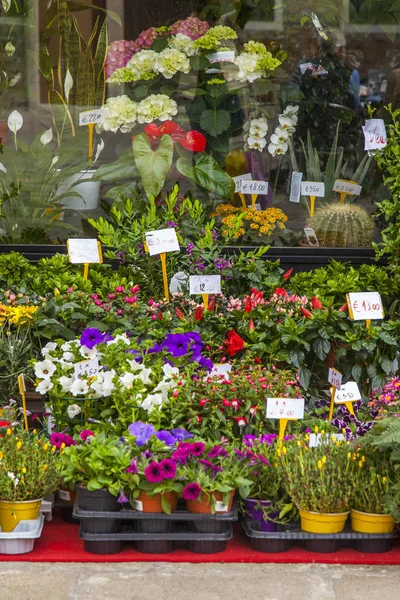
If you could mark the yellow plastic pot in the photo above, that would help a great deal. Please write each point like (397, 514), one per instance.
(362, 522)
(11, 513)
(313, 522)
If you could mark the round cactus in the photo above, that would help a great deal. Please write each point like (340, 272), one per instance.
(342, 226)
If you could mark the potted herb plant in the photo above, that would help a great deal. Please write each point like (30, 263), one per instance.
(319, 482)
(28, 472)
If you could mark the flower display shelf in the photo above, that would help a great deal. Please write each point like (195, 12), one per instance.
(291, 535)
(155, 533)
(22, 539)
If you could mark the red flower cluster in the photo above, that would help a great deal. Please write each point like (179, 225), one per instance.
(234, 343)
(191, 140)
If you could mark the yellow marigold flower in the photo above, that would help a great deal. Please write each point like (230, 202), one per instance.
(19, 445)
(319, 464)
(254, 226)
(323, 459)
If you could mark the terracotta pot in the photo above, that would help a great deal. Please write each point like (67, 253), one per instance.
(4, 132)
(152, 504)
(203, 506)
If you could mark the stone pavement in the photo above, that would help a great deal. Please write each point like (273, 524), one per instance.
(172, 581)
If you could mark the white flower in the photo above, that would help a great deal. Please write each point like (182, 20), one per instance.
(290, 111)
(67, 346)
(183, 43)
(54, 161)
(258, 127)
(87, 352)
(99, 150)
(278, 149)
(6, 5)
(9, 48)
(127, 379)
(103, 385)
(68, 84)
(79, 387)
(46, 137)
(120, 112)
(44, 386)
(68, 356)
(14, 121)
(280, 136)
(135, 366)
(171, 61)
(287, 123)
(44, 369)
(17, 77)
(151, 401)
(66, 383)
(3, 168)
(144, 376)
(141, 65)
(49, 347)
(170, 371)
(164, 386)
(156, 106)
(14, 479)
(248, 67)
(73, 410)
(256, 143)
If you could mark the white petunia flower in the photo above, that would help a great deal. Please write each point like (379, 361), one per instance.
(66, 347)
(127, 379)
(66, 383)
(120, 338)
(49, 347)
(44, 369)
(79, 387)
(87, 352)
(170, 371)
(73, 410)
(144, 376)
(135, 366)
(68, 356)
(44, 386)
(151, 401)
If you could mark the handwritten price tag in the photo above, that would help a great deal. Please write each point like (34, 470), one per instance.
(205, 284)
(313, 188)
(335, 378)
(84, 251)
(348, 187)
(316, 69)
(91, 116)
(285, 408)
(239, 178)
(374, 134)
(349, 392)
(254, 187)
(221, 371)
(162, 240)
(227, 56)
(317, 439)
(365, 305)
(90, 368)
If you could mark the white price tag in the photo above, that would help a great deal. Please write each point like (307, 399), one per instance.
(256, 206)
(311, 236)
(349, 392)
(335, 378)
(90, 368)
(254, 187)
(313, 188)
(205, 284)
(84, 251)
(227, 56)
(295, 187)
(374, 134)
(91, 116)
(64, 495)
(285, 408)
(317, 439)
(239, 178)
(162, 240)
(316, 69)
(365, 305)
(220, 506)
(221, 371)
(348, 187)
(137, 505)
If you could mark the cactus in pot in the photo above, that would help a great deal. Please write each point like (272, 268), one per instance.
(342, 226)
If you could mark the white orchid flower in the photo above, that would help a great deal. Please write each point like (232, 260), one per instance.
(46, 137)
(278, 149)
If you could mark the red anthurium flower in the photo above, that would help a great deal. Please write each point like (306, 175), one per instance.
(316, 303)
(234, 343)
(211, 304)
(170, 128)
(251, 325)
(198, 315)
(179, 313)
(248, 305)
(280, 292)
(305, 312)
(344, 308)
(193, 141)
(288, 274)
(153, 130)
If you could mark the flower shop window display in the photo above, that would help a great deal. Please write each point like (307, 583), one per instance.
(28, 471)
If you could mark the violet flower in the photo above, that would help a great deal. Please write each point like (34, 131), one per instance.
(142, 432)
(168, 468)
(122, 499)
(153, 473)
(191, 492)
(181, 434)
(132, 467)
(166, 437)
(91, 337)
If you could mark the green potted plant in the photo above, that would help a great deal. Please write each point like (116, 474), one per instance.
(319, 482)
(28, 472)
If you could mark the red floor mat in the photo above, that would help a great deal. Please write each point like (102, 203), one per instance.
(60, 543)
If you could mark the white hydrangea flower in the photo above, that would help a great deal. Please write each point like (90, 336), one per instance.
(73, 410)
(44, 369)
(258, 127)
(66, 383)
(256, 143)
(142, 64)
(79, 387)
(171, 61)
(278, 149)
(87, 352)
(248, 67)
(183, 43)
(120, 112)
(156, 106)
(151, 401)
(49, 347)
(44, 386)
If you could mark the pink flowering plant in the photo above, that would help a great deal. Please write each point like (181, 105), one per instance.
(386, 403)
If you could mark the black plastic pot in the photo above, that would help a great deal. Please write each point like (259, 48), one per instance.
(206, 547)
(66, 515)
(103, 547)
(270, 545)
(100, 525)
(210, 526)
(99, 500)
(153, 526)
(374, 546)
(154, 546)
(321, 546)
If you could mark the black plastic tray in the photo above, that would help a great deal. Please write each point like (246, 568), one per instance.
(282, 540)
(177, 515)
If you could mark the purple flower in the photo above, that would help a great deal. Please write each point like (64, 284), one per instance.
(147, 454)
(181, 434)
(197, 448)
(221, 263)
(132, 467)
(85, 434)
(177, 343)
(168, 468)
(142, 432)
(172, 224)
(249, 439)
(205, 363)
(107, 337)
(166, 437)
(91, 337)
(122, 499)
(191, 492)
(217, 451)
(189, 249)
(263, 460)
(58, 439)
(240, 453)
(206, 463)
(153, 473)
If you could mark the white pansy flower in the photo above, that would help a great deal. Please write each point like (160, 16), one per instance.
(87, 352)
(44, 369)
(256, 143)
(151, 401)
(73, 410)
(49, 347)
(44, 386)
(127, 379)
(68, 84)
(66, 383)
(46, 137)
(79, 387)
(15, 121)
(278, 149)
(3, 168)
(183, 43)
(171, 61)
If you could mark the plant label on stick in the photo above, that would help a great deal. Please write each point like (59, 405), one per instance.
(311, 236)
(349, 392)
(365, 306)
(374, 134)
(256, 206)
(84, 251)
(227, 56)
(22, 391)
(90, 368)
(205, 284)
(295, 188)
(21, 384)
(285, 408)
(313, 188)
(317, 439)
(91, 117)
(221, 371)
(254, 187)
(239, 178)
(335, 378)
(350, 188)
(162, 240)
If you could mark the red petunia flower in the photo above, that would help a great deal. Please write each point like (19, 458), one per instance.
(234, 343)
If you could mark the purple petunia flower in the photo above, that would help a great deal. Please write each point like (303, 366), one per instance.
(217, 451)
(206, 363)
(85, 434)
(132, 467)
(191, 492)
(107, 337)
(206, 463)
(58, 439)
(153, 473)
(181, 434)
(122, 499)
(168, 468)
(166, 437)
(177, 343)
(142, 432)
(197, 448)
(91, 337)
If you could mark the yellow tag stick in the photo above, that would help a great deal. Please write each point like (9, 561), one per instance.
(205, 301)
(241, 196)
(312, 205)
(368, 323)
(90, 149)
(253, 200)
(332, 403)
(349, 406)
(21, 386)
(163, 257)
(282, 428)
(85, 271)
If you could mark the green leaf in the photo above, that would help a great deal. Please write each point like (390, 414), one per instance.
(206, 173)
(165, 505)
(304, 377)
(215, 122)
(386, 364)
(153, 165)
(123, 168)
(356, 372)
(321, 347)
